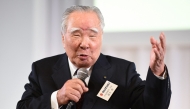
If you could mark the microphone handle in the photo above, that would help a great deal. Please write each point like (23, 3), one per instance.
(70, 104)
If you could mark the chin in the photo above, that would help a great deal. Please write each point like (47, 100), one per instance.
(84, 64)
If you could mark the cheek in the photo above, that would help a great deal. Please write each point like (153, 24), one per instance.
(71, 45)
(97, 47)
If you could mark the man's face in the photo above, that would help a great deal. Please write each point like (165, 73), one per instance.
(82, 39)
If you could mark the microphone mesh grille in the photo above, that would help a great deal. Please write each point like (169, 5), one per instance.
(82, 73)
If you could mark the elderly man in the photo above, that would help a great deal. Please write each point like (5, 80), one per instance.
(112, 83)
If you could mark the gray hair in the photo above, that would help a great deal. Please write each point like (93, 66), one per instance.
(75, 8)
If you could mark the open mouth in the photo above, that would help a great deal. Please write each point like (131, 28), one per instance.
(83, 56)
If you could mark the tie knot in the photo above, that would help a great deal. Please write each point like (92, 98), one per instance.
(82, 73)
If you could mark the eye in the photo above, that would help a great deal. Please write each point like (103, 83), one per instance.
(92, 36)
(76, 35)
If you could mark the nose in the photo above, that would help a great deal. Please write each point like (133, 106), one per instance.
(84, 43)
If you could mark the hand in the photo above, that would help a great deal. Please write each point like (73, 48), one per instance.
(71, 90)
(157, 55)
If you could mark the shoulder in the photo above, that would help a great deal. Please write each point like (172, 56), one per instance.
(118, 61)
(49, 61)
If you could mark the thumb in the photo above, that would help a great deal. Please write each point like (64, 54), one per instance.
(85, 89)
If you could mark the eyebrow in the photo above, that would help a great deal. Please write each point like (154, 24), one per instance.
(94, 30)
(74, 29)
(78, 29)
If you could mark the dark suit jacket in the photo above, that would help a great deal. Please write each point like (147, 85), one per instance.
(50, 74)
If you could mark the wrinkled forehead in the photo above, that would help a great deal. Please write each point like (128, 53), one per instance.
(84, 21)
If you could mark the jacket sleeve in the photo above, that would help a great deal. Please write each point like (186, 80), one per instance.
(153, 93)
(33, 98)
(157, 92)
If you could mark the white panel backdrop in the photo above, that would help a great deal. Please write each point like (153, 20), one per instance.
(30, 30)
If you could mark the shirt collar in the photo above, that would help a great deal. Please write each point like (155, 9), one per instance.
(73, 68)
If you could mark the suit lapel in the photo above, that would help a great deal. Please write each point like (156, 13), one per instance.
(100, 73)
(61, 71)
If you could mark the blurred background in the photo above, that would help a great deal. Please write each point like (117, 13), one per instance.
(30, 30)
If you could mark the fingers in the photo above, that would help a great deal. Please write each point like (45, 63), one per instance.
(71, 90)
(78, 85)
(157, 54)
(159, 48)
(73, 95)
(153, 42)
(163, 41)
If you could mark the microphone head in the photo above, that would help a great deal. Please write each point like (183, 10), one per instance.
(82, 73)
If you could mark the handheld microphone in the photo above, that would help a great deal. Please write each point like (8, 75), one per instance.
(82, 74)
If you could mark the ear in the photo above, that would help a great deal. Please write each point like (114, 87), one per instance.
(63, 40)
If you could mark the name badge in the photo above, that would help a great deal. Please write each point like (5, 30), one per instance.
(107, 90)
